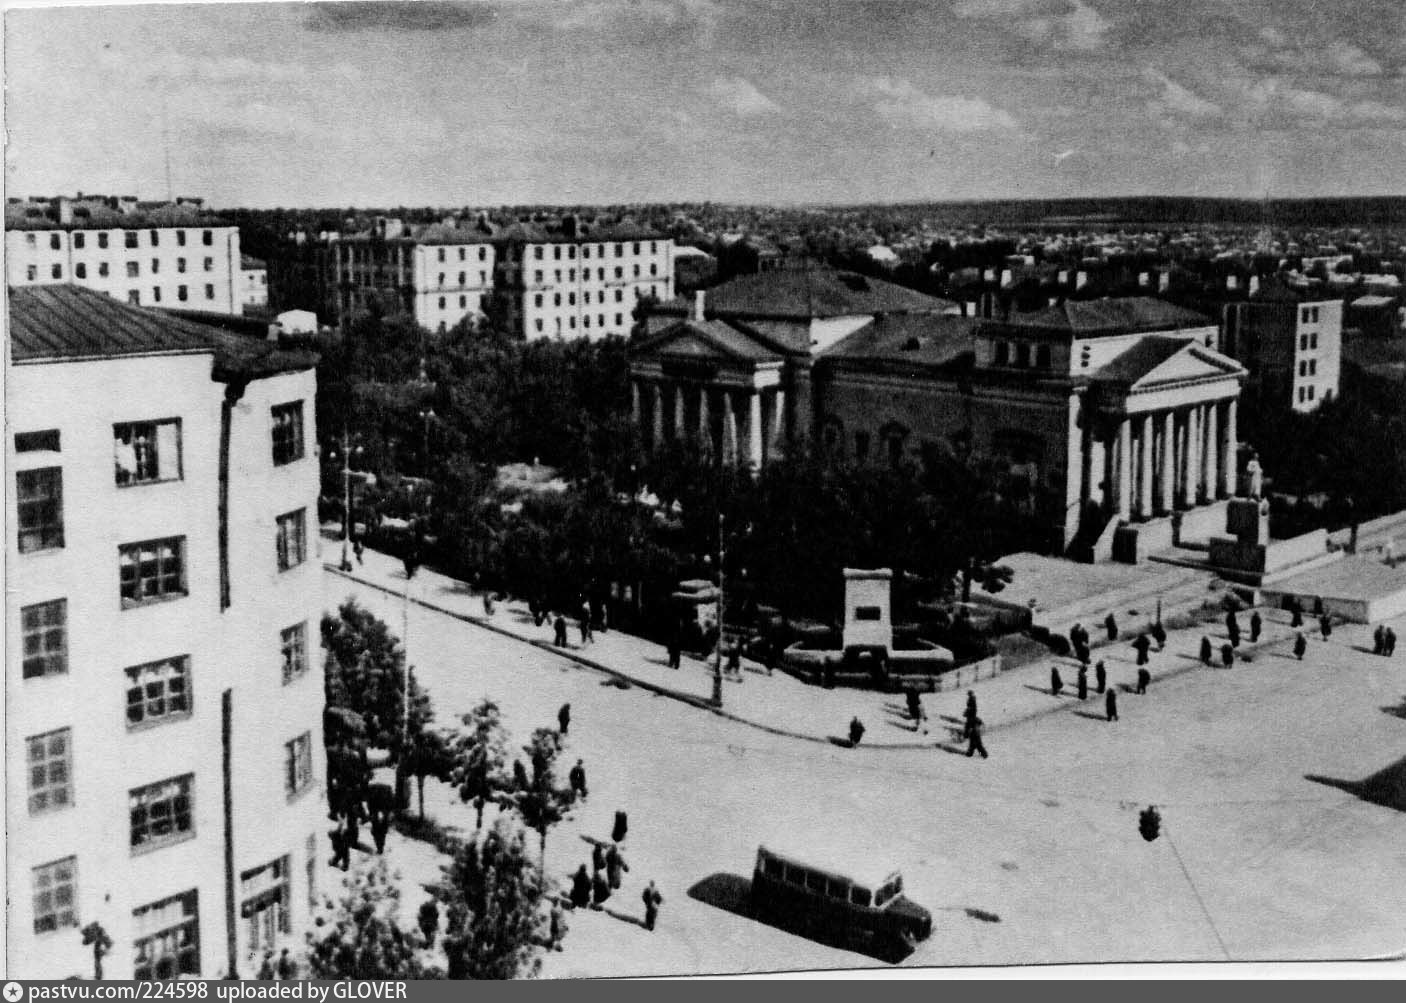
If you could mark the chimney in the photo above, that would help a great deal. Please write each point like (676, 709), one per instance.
(698, 298)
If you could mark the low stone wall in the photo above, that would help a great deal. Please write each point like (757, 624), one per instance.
(963, 676)
(920, 670)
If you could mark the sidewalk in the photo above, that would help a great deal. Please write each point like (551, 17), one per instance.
(783, 705)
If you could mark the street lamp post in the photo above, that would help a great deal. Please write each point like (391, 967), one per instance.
(346, 495)
(718, 650)
(426, 416)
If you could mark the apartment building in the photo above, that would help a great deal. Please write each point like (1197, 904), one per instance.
(144, 253)
(253, 285)
(1291, 345)
(164, 687)
(567, 281)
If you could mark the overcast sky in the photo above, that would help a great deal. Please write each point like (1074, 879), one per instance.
(598, 101)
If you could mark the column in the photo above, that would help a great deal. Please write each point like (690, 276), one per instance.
(729, 430)
(1144, 496)
(1074, 469)
(1191, 461)
(705, 426)
(1124, 463)
(1229, 445)
(1209, 471)
(778, 424)
(802, 411)
(635, 414)
(656, 410)
(1169, 470)
(1086, 461)
(752, 451)
(678, 412)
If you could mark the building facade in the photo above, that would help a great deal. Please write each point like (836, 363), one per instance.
(147, 254)
(1291, 346)
(253, 285)
(163, 735)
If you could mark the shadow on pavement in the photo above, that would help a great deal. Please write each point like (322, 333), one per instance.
(1090, 715)
(1398, 711)
(1386, 787)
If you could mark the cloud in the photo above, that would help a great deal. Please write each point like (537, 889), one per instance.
(1178, 102)
(1350, 61)
(1277, 103)
(1338, 58)
(902, 105)
(1055, 24)
(699, 16)
(739, 96)
(399, 15)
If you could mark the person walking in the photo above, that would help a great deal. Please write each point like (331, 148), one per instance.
(1081, 652)
(488, 604)
(580, 888)
(1143, 678)
(1110, 704)
(1159, 634)
(1227, 655)
(856, 732)
(597, 858)
(974, 743)
(652, 901)
(564, 718)
(584, 624)
(1256, 625)
(969, 715)
(600, 891)
(1300, 645)
(675, 649)
(1142, 645)
(1296, 610)
(380, 826)
(1379, 639)
(1100, 676)
(266, 972)
(621, 827)
(577, 776)
(287, 967)
(1232, 627)
(1110, 624)
(341, 852)
(1056, 683)
(1078, 636)
(1389, 648)
(1205, 650)
(554, 927)
(614, 866)
(734, 659)
(1083, 683)
(359, 550)
(1325, 626)
(559, 631)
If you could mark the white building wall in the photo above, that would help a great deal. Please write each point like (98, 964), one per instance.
(1318, 343)
(253, 287)
(452, 281)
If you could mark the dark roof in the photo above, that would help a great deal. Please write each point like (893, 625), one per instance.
(728, 339)
(910, 340)
(1085, 318)
(94, 214)
(472, 232)
(810, 294)
(249, 264)
(60, 323)
(1138, 360)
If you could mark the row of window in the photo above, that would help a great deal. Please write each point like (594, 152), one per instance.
(1021, 356)
(463, 256)
(537, 276)
(540, 327)
(1307, 393)
(130, 237)
(1309, 315)
(1308, 367)
(463, 278)
(539, 298)
(463, 302)
(538, 251)
(1308, 341)
(80, 271)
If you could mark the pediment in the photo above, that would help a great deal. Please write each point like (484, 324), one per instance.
(1194, 362)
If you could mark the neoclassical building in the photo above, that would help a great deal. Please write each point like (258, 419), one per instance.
(1119, 412)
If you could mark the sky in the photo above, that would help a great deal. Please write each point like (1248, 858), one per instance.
(605, 101)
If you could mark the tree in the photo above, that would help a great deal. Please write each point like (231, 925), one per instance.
(542, 804)
(493, 898)
(428, 754)
(478, 754)
(360, 936)
(365, 672)
(428, 920)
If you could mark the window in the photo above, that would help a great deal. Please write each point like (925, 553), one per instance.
(40, 509)
(156, 294)
(209, 264)
(1312, 392)
(155, 238)
(653, 247)
(538, 323)
(182, 293)
(46, 441)
(31, 273)
(209, 292)
(1003, 353)
(441, 279)
(264, 895)
(1303, 368)
(30, 240)
(131, 236)
(1022, 354)
(134, 269)
(152, 570)
(571, 323)
(297, 762)
(586, 297)
(56, 271)
(168, 938)
(556, 275)
(54, 242)
(1313, 340)
(102, 241)
(585, 252)
(80, 270)
(619, 272)
(619, 250)
(556, 253)
(1301, 395)
(292, 542)
(462, 277)
(162, 813)
(653, 270)
(619, 295)
(537, 300)
(868, 613)
(134, 297)
(537, 277)
(45, 629)
(571, 299)
(463, 301)
(1313, 367)
(180, 238)
(294, 643)
(441, 258)
(441, 302)
(158, 691)
(102, 268)
(181, 265)
(155, 265)
(556, 299)
(146, 452)
(310, 855)
(483, 254)
(55, 895)
(859, 896)
(50, 761)
(586, 322)
(637, 271)
(619, 319)
(463, 252)
(1303, 343)
(207, 238)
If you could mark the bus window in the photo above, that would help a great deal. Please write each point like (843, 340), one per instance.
(859, 896)
(795, 875)
(775, 869)
(837, 890)
(816, 883)
(883, 895)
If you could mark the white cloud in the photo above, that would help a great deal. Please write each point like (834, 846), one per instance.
(902, 105)
(1350, 61)
(1177, 101)
(1057, 24)
(739, 96)
(1273, 100)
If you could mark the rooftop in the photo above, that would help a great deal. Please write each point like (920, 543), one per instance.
(99, 214)
(810, 294)
(1087, 318)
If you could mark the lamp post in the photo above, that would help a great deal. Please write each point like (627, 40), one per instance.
(426, 416)
(718, 650)
(346, 494)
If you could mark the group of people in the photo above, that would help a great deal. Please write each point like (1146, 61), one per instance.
(285, 969)
(1110, 696)
(588, 616)
(1383, 640)
(376, 810)
(608, 868)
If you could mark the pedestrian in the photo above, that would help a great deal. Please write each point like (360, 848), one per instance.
(1056, 683)
(1325, 626)
(580, 888)
(856, 732)
(621, 827)
(1227, 655)
(1159, 634)
(1142, 645)
(554, 929)
(341, 852)
(915, 707)
(1143, 678)
(1100, 676)
(1205, 650)
(564, 718)
(597, 858)
(380, 827)
(652, 901)
(1234, 634)
(1082, 653)
(1389, 553)
(974, 743)
(266, 969)
(577, 776)
(969, 715)
(359, 550)
(353, 827)
(1232, 626)
(1256, 625)
(615, 865)
(1296, 609)
(1076, 636)
(287, 967)
(1083, 683)
(734, 659)
(675, 650)
(1379, 639)
(1390, 647)
(1300, 645)
(488, 604)
(1110, 704)
(1110, 624)
(559, 631)
(1317, 605)
(585, 624)
(600, 890)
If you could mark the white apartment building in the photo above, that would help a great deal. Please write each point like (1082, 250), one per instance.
(253, 284)
(164, 254)
(164, 683)
(1292, 347)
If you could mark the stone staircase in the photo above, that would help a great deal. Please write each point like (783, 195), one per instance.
(1179, 588)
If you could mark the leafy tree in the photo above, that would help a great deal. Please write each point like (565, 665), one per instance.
(494, 903)
(541, 803)
(360, 937)
(365, 672)
(428, 920)
(479, 753)
(428, 754)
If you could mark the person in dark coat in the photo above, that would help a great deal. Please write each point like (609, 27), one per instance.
(974, 743)
(1379, 639)
(1082, 654)
(287, 967)
(559, 631)
(652, 901)
(359, 550)
(1227, 655)
(969, 715)
(584, 622)
(554, 930)
(1300, 645)
(675, 650)
(1325, 626)
(915, 706)
(341, 851)
(734, 659)
(1056, 683)
(1077, 636)
(1110, 704)
(1083, 683)
(614, 865)
(1232, 627)
(1256, 625)
(577, 776)
(1110, 624)
(1143, 678)
(1297, 610)
(580, 888)
(856, 732)
(1159, 634)
(353, 827)
(564, 718)
(597, 858)
(266, 971)
(1205, 651)
(1142, 645)
(1389, 648)
(600, 890)
(621, 827)
(380, 826)
(1100, 676)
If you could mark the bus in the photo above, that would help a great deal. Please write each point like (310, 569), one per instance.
(855, 901)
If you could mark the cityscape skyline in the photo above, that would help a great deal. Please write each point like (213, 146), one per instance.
(692, 100)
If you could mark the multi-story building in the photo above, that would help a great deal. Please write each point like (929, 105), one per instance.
(253, 285)
(1291, 345)
(570, 281)
(164, 691)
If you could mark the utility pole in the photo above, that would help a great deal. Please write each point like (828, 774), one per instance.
(346, 497)
(718, 651)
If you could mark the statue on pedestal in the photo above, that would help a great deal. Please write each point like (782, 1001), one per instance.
(1254, 473)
